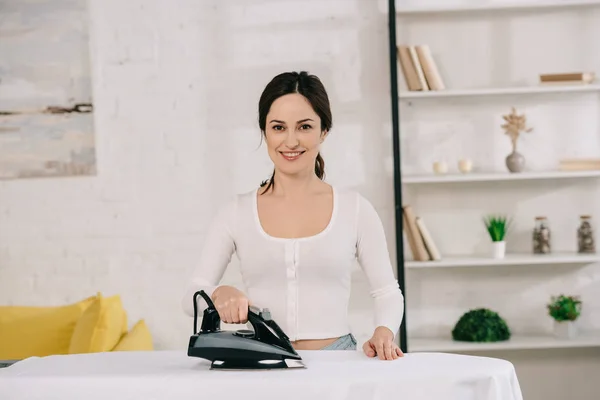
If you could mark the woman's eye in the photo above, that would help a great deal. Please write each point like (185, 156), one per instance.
(305, 126)
(277, 127)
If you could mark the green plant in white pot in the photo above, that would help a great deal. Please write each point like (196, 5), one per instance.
(497, 227)
(564, 310)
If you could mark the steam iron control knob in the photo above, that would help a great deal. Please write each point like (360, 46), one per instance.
(245, 333)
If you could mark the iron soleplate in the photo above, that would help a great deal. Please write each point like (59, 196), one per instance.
(245, 365)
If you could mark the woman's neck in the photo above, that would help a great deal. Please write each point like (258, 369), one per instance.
(295, 186)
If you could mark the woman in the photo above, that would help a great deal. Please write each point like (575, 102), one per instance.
(297, 237)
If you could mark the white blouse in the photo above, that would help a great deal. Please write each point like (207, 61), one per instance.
(304, 282)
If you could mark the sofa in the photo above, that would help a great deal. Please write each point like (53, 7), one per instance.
(93, 324)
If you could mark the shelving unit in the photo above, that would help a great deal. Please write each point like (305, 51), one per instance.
(509, 259)
(524, 90)
(516, 342)
(404, 181)
(512, 6)
(497, 177)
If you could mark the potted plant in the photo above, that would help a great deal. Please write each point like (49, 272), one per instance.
(564, 310)
(513, 126)
(497, 227)
(481, 325)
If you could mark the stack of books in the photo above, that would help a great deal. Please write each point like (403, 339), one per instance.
(419, 69)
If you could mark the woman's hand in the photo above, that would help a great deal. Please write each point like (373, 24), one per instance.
(231, 304)
(382, 344)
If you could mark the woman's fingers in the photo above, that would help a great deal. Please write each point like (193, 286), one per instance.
(387, 348)
(380, 350)
(231, 304)
(242, 311)
(368, 349)
(224, 310)
(399, 352)
(233, 311)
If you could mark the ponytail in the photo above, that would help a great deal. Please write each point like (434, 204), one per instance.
(320, 166)
(270, 181)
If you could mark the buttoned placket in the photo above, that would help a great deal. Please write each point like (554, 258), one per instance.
(291, 257)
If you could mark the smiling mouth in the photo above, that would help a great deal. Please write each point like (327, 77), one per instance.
(291, 155)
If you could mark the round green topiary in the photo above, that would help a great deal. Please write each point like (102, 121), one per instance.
(481, 325)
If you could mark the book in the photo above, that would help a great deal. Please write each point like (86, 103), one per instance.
(415, 239)
(430, 69)
(418, 67)
(430, 246)
(408, 69)
(568, 77)
(579, 164)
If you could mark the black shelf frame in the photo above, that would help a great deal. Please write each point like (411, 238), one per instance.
(397, 162)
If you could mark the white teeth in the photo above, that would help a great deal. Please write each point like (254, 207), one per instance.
(292, 154)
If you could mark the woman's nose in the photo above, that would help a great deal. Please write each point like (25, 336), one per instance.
(291, 140)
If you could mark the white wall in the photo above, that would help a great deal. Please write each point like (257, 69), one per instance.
(176, 91)
(176, 94)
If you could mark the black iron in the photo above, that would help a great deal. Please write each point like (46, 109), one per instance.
(393, 60)
(264, 347)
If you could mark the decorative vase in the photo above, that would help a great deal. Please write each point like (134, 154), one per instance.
(565, 329)
(541, 236)
(498, 249)
(440, 167)
(465, 165)
(585, 235)
(515, 162)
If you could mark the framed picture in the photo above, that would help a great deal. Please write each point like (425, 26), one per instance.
(46, 107)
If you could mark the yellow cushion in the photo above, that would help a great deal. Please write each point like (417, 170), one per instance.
(137, 339)
(38, 331)
(100, 327)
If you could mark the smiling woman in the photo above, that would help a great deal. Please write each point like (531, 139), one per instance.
(294, 117)
(298, 238)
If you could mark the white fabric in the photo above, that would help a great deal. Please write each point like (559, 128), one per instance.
(331, 375)
(304, 282)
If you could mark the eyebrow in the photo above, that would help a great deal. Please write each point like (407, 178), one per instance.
(302, 120)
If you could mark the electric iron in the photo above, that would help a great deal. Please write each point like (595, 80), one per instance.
(267, 347)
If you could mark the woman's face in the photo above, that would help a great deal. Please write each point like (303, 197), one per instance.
(293, 134)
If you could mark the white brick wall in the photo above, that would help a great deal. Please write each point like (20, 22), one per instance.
(176, 90)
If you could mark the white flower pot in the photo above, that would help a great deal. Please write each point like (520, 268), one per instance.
(498, 249)
(565, 329)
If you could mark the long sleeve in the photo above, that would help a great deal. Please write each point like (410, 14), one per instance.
(373, 257)
(217, 250)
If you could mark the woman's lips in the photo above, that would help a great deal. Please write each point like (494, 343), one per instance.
(291, 155)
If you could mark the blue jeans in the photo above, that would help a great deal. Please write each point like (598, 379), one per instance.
(346, 342)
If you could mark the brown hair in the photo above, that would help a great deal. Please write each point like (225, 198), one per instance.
(312, 89)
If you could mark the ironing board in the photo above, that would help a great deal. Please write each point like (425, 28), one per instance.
(335, 375)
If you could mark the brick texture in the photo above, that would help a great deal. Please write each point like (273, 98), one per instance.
(175, 94)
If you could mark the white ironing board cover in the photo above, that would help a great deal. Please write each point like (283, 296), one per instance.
(328, 375)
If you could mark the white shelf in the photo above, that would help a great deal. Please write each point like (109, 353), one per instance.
(497, 176)
(494, 6)
(516, 342)
(550, 88)
(509, 259)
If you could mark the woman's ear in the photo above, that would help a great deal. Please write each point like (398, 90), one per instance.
(323, 136)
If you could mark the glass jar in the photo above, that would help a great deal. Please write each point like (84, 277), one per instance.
(541, 236)
(585, 235)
